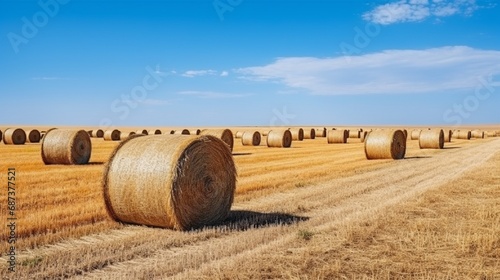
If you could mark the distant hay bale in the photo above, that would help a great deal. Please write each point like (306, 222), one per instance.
(33, 136)
(478, 134)
(491, 134)
(431, 139)
(112, 135)
(447, 135)
(250, 138)
(454, 134)
(297, 134)
(264, 132)
(363, 135)
(224, 134)
(195, 132)
(14, 136)
(64, 146)
(415, 134)
(190, 181)
(405, 132)
(142, 131)
(238, 134)
(97, 133)
(279, 138)
(125, 135)
(320, 132)
(338, 136)
(154, 132)
(181, 132)
(385, 144)
(309, 133)
(354, 133)
(464, 134)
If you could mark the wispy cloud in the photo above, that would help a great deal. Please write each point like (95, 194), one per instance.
(48, 78)
(212, 94)
(419, 10)
(391, 71)
(224, 74)
(195, 73)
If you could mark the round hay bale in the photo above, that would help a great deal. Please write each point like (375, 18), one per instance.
(464, 135)
(97, 133)
(385, 144)
(182, 132)
(33, 136)
(142, 131)
(125, 135)
(297, 134)
(224, 134)
(454, 134)
(279, 139)
(1, 135)
(447, 135)
(154, 132)
(431, 139)
(320, 132)
(112, 135)
(309, 134)
(415, 134)
(14, 136)
(195, 132)
(64, 146)
(491, 133)
(238, 134)
(363, 135)
(354, 133)
(405, 132)
(478, 134)
(250, 138)
(190, 181)
(338, 136)
(264, 132)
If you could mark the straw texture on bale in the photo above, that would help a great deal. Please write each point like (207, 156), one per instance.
(125, 135)
(385, 144)
(64, 146)
(431, 139)
(415, 134)
(190, 182)
(337, 136)
(112, 135)
(14, 136)
(405, 132)
(464, 134)
(354, 133)
(33, 136)
(97, 133)
(447, 135)
(182, 132)
(477, 134)
(238, 134)
(297, 134)
(250, 138)
(154, 132)
(142, 131)
(309, 134)
(195, 132)
(279, 139)
(225, 135)
(320, 132)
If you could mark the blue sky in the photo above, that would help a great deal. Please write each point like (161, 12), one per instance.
(244, 62)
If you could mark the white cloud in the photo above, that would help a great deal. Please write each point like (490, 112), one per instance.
(212, 94)
(391, 71)
(418, 10)
(194, 73)
(224, 74)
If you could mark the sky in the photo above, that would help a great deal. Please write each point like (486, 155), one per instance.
(248, 62)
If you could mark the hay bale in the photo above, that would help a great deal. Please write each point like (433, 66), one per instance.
(279, 138)
(14, 136)
(1, 135)
(297, 134)
(415, 134)
(464, 135)
(142, 131)
(176, 182)
(354, 133)
(309, 134)
(491, 133)
(363, 135)
(195, 132)
(478, 134)
(454, 134)
(238, 134)
(431, 139)
(385, 144)
(337, 136)
(97, 133)
(112, 135)
(405, 132)
(250, 138)
(447, 135)
(65, 146)
(320, 132)
(264, 132)
(181, 132)
(33, 136)
(125, 135)
(224, 134)
(154, 132)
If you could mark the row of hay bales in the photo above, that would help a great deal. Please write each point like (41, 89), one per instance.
(277, 138)
(18, 136)
(99, 133)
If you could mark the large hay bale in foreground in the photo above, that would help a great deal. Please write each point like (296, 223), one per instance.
(190, 181)
(464, 134)
(309, 133)
(97, 133)
(154, 132)
(33, 136)
(224, 134)
(14, 136)
(431, 139)
(64, 146)
(415, 134)
(182, 132)
(251, 138)
(112, 135)
(338, 136)
(297, 134)
(448, 134)
(279, 138)
(385, 144)
(125, 135)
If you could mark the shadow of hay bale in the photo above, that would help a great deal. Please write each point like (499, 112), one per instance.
(244, 220)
